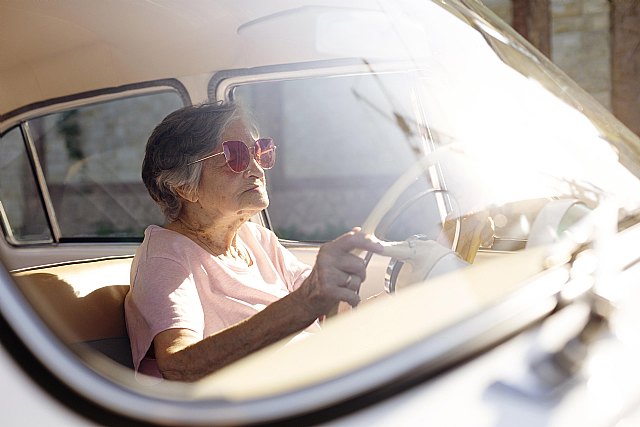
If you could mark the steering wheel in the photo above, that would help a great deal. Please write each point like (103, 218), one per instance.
(456, 245)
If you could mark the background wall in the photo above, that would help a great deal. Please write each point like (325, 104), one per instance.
(580, 41)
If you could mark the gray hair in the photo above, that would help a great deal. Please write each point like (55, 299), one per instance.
(184, 136)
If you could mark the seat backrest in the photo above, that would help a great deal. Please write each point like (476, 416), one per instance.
(83, 303)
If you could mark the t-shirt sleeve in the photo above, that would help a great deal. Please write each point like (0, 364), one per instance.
(298, 270)
(163, 296)
(293, 270)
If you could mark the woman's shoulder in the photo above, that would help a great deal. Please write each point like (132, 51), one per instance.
(160, 236)
(258, 233)
(257, 230)
(153, 229)
(160, 242)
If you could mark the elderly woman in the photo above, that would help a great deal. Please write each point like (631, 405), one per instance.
(210, 287)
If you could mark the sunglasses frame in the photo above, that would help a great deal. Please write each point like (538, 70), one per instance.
(249, 149)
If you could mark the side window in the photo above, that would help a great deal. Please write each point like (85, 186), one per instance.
(21, 211)
(342, 142)
(91, 158)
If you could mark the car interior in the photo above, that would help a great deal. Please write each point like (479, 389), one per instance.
(81, 296)
(386, 141)
(83, 303)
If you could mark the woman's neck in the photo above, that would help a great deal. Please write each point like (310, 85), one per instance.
(220, 241)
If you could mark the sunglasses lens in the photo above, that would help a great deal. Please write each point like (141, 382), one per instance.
(265, 151)
(237, 155)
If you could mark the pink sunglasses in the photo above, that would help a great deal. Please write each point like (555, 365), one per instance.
(238, 155)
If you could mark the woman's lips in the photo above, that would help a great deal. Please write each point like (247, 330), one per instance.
(255, 187)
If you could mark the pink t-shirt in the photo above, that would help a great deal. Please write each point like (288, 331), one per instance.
(177, 284)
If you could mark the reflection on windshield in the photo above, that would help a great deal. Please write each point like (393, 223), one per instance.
(500, 138)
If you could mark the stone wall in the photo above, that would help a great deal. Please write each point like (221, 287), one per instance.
(579, 41)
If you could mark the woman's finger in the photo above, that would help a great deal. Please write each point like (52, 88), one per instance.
(348, 296)
(353, 282)
(351, 264)
(344, 274)
(355, 239)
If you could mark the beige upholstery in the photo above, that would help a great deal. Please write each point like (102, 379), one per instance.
(83, 303)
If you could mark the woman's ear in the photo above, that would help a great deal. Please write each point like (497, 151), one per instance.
(187, 194)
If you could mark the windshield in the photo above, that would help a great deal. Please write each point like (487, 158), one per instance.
(494, 130)
(439, 126)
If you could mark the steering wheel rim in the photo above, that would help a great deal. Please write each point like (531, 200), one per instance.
(388, 219)
(390, 198)
(465, 243)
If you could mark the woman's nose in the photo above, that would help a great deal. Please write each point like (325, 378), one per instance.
(255, 168)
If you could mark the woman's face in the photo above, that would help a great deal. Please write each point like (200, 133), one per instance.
(222, 192)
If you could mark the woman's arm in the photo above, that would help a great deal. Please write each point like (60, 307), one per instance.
(336, 276)
(183, 356)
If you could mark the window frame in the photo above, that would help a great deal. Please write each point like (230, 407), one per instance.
(222, 83)
(25, 115)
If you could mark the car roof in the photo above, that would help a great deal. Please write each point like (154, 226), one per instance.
(53, 49)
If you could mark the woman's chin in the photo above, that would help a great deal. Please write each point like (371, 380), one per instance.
(255, 206)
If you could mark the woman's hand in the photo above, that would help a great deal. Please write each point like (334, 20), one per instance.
(337, 274)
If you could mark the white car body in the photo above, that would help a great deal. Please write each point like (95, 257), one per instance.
(499, 137)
